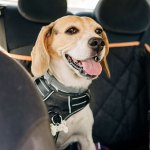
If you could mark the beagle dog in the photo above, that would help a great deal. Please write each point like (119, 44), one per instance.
(69, 53)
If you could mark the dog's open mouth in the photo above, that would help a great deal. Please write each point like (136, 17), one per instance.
(90, 68)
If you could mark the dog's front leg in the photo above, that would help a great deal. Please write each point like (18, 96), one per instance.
(86, 140)
(86, 144)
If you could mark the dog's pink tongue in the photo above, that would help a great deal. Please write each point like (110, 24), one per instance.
(92, 67)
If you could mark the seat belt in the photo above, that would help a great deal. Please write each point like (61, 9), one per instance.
(3, 43)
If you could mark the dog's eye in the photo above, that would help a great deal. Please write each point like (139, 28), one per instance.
(72, 30)
(98, 31)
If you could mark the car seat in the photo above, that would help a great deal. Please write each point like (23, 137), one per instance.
(121, 102)
(24, 123)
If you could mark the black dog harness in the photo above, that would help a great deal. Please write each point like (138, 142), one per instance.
(60, 103)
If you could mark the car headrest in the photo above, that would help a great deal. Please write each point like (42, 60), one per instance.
(123, 16)
(42, 11)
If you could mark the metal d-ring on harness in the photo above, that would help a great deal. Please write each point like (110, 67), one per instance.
(60, 104)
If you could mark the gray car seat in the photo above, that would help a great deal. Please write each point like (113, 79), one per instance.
(24, 123)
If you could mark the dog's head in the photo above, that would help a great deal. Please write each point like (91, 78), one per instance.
(76, 44)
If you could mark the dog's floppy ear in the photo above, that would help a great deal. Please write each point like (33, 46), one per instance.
(39, 54)
(104, 61)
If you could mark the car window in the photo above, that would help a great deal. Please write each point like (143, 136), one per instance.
(73, 5)
(8, 2)
(81, 5)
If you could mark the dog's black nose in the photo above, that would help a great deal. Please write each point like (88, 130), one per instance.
(96, 43)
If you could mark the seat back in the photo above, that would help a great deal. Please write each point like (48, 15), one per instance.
(121, 102)
(21, 24)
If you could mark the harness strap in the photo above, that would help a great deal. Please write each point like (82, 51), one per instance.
(64, 104)
(60, 105)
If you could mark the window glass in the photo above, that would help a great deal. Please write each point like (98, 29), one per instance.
(8, 2)
(81, 5)
(73, 5)
(85, 5)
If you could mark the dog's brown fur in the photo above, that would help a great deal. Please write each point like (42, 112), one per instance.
(48, 55)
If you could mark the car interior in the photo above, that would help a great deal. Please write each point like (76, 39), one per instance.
(120, 104)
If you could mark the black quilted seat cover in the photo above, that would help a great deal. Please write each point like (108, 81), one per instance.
(121, 102)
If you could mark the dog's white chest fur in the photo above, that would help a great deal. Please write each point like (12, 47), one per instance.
(79, 130)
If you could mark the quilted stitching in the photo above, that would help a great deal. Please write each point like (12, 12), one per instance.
(117, 108)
